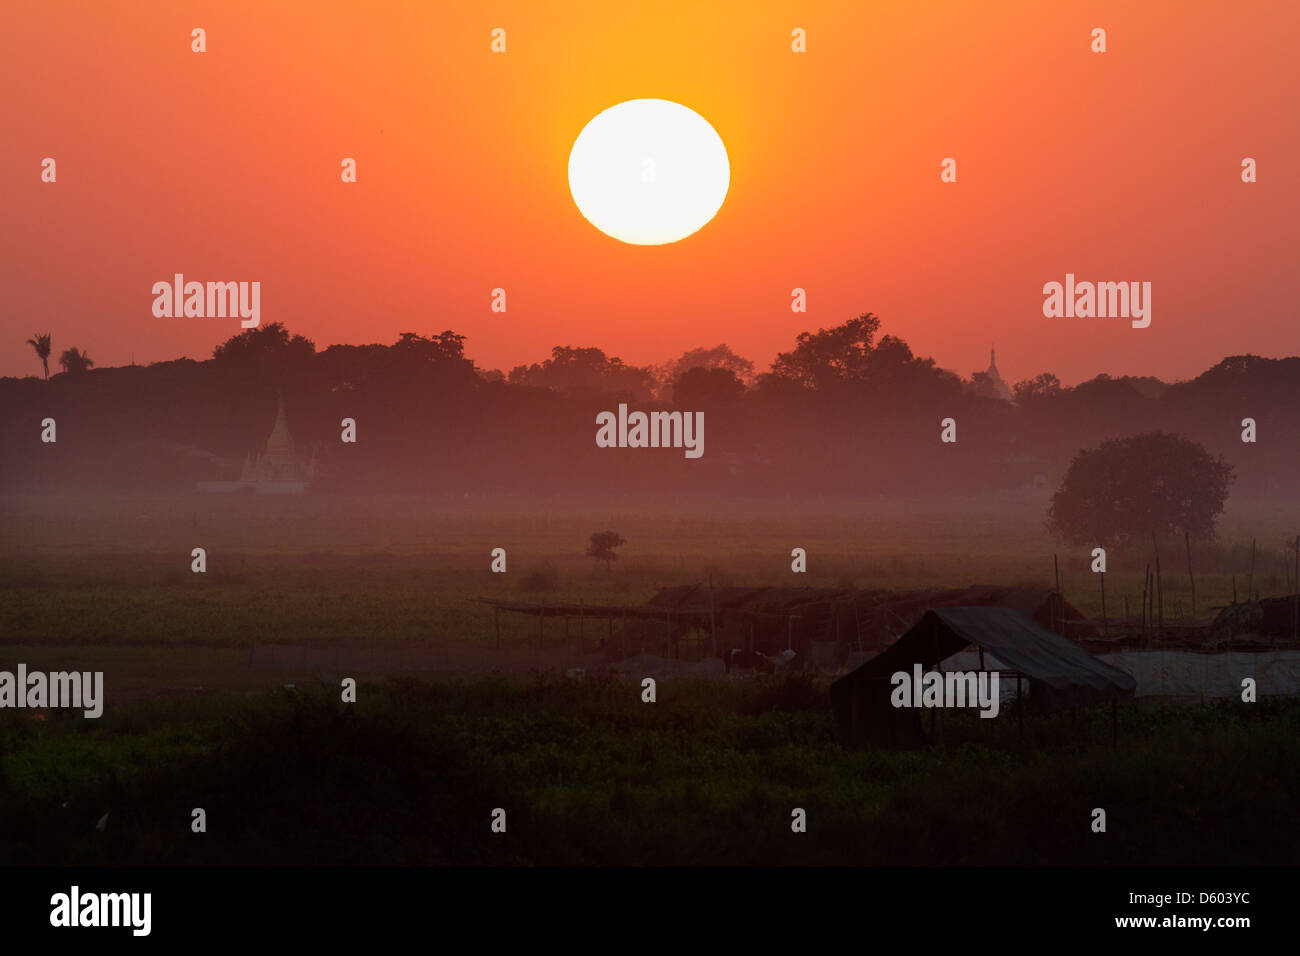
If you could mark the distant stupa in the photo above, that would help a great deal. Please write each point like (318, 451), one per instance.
(996, 388)
(276, 471)
(278, 468)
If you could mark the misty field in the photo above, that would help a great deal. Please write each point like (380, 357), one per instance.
(315, 569)
(588, 774)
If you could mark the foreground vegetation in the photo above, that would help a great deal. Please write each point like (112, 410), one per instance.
(589, 774)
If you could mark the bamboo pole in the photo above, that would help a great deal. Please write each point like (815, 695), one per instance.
(1020, 708)
(1058, 605)
(1105, 624)
(1151, 608)
(1160, 584)
(1146, 580)
(1250, 581)
(857, 624)
(713, 623)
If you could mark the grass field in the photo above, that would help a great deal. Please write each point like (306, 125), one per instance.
(587, 773)
(318, 569)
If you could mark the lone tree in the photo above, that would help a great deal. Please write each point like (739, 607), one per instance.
(75, 361)
(602, 546)
(41, 343)
(1128, 487)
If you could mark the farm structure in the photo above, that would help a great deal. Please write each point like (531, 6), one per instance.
(824, 627)
(1058, 673)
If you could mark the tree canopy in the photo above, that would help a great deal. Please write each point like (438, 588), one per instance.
(1126, 488)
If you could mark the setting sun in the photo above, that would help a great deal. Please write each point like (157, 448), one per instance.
(648, 172)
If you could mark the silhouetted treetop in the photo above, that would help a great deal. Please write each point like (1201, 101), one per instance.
(583, 369)
(266, 341)
(1127, 488)
(707, 387)
(830, 357)
(720, 356)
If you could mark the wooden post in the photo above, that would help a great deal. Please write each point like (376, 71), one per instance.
(1105, 624)
(1160, 584)
(713, 622)
(857, 624)
(1151, 608)
(1187, 539)
(1020, 708)
(1058, 603)
(934, 711)
(1250, 581)
(1146, 581)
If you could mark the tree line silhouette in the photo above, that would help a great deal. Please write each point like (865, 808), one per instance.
(846, 411)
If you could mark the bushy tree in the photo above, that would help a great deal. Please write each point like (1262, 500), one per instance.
(1128, 487)
(602, 546)
(830, 357)
(584, 369)
(75, 361)
(271, 341)
(718, 357)
(1044, 386)
(707, 388)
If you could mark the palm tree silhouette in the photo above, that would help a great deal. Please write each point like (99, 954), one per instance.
(41, 343)
(75, 361)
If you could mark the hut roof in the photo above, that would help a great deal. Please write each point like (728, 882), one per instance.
(1061, 674)
(1014, 638)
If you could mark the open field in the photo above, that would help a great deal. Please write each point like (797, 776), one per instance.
(587, 773)
(116, 571)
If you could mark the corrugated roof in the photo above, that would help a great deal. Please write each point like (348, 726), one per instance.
(1014, 638)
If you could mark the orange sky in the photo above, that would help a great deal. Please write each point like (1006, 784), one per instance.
(225, 166)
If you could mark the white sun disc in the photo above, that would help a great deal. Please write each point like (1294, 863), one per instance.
(649, 172)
